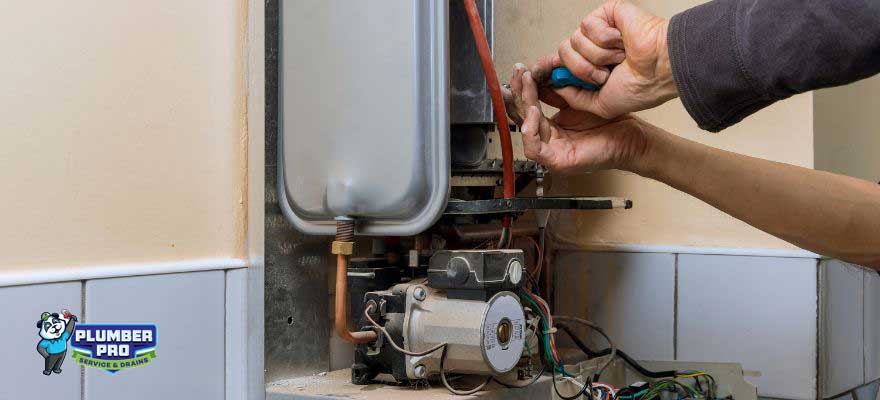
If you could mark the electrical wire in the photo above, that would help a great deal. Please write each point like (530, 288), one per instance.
(610, 389)
(452, 389)
(583, 392)
(619, 395)
(504, 239)
(539, 252)
(524, 385)
(596, 386)
(629, 360)
(601, 331)
(696, 375)
(711, 385)
(667, 384)
(382, 329)
(542, 305)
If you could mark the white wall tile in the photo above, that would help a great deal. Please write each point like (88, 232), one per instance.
(758, 311)
(868, 391)
(188, 310)
(872, 326)
(21, 369)
(236, 334)
(631, 295)
(842, 316)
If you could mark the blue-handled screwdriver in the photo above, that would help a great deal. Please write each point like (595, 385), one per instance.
(562, 77)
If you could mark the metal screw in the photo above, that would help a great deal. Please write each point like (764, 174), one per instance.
(419, 293)
(420, 371)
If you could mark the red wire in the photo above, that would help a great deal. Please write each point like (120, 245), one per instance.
(497, 101)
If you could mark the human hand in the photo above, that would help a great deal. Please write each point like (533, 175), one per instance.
(621, 33)
(573, 141)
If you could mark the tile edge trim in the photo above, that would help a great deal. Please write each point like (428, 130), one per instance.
(31, 276)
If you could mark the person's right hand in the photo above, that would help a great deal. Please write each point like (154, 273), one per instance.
(621, 33)
(574, 141)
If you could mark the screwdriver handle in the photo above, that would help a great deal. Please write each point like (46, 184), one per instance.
(562, 77)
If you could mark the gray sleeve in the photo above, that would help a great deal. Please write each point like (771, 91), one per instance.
(731, 58)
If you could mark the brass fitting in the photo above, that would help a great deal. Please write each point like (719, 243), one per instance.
(344, 248)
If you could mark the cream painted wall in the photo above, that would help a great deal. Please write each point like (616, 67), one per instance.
(526, 29)
(848, 129)
(124, 132)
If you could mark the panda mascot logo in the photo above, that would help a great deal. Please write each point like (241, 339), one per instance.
(55, 331)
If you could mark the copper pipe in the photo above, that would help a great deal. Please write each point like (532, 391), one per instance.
(345, 238)
(342, 306)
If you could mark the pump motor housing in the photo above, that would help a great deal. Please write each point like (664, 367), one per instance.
(484, 332)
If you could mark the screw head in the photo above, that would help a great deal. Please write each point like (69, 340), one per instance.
(420, 371)
(420, 293)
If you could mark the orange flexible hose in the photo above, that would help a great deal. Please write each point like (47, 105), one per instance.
(341, 320)
(497, 101)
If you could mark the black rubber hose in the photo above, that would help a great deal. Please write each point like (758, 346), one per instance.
(592, 354)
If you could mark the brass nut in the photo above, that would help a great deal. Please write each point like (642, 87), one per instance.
(345, 248)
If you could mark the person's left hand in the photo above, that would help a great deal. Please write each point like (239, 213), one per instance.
(572, 141)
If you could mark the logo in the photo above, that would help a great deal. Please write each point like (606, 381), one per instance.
(54, 331)
(114, 347)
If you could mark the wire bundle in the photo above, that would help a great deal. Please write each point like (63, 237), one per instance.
(592, 389)
(548, 342)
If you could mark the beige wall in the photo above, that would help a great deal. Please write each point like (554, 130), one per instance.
(123, 132)
(847, 123)
(526, 29)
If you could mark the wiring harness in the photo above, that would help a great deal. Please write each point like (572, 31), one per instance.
(685, 384)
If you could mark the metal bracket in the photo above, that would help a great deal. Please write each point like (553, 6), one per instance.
(522, 204)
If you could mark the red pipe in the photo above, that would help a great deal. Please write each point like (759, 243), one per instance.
(497, 101)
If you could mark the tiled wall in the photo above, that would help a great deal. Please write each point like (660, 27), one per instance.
(849, 326)
(201, 338)
(804, 329)
(872, 326)
(759, 311)
(21, 368)
(631, 295)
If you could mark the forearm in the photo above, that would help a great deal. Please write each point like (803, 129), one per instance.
(829, 214)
